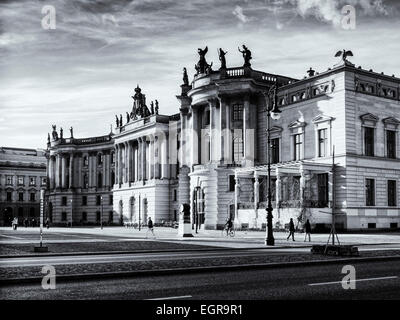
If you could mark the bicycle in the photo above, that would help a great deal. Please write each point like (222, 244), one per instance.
(230, 233)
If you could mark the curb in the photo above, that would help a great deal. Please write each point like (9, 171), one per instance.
(191, 270)
(91, 253)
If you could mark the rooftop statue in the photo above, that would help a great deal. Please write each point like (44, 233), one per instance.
(71, 130)
(152, 107)
(156, 109)
(61, 133)
(48, 137)
(221, 55)
(54, 133)
(139, 104)
(120, 120)
(116, 121)
(344, 54)
(202, 66)
(128, 117)
(246, 56)
(185, 77)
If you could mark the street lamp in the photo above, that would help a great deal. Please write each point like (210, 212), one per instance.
(274, 113)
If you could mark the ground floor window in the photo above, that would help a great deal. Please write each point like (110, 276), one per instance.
(370, 192)
(391, 190)
(63, 216)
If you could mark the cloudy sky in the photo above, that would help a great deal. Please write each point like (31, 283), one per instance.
(83, 72)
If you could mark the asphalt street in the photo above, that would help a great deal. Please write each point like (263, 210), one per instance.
(374, 280)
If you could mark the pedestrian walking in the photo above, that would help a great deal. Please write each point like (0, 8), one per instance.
(291, 229)
(307, 229)
(47, 223)
(150, 228)
(15, 223)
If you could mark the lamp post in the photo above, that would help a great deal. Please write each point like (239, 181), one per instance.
(274, 113)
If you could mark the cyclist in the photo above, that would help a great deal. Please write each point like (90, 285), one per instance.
(228, 226)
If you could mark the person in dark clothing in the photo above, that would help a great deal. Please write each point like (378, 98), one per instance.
(47, 223)
(307, 229)
(26, 223)
(291, 229)
(150, 227)
(228, 226)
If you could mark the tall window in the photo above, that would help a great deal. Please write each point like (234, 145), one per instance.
(323, 196)
(298, 144)
(237, 145)
(63, 216)
(85, 161)
(322, 142)
(99, 159)
(275, 150)
(85, 181)
(391, 188)
(84, 200)
(9, 196)
(20, 181)
(97, 216)
(110, 200)
(21, 196)
(238, 112)
(391, 144)
(98, 200)
(32, 181)
(370, 192)
(9, 180)
(369, 134)
(99, 180)
(64, 201)
(32, 197)
(84, 216)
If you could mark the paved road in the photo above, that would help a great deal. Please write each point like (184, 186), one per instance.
(375, 280)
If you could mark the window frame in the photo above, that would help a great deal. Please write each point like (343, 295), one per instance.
(367, 203)
(394, 203)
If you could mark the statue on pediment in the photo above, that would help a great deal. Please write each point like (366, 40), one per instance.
(246, 56)
(202, 66)
(221, 54)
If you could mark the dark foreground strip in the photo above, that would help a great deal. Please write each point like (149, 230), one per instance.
(180, 271)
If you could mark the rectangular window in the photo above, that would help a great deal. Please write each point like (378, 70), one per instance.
(175, 195)
(369, 134)
(98, 200)
(32, 197)
(43, 181)
(9, 180)
(322, 142)
(20, 181)
(97, 216)
(370, 192)
(237, 145)
(391, 188)
(21, 196)
(84, 200)
(64, 201)
(391, 144)
(231, 183)
(84, 216)
(110, 217)
(298, 144)
(32, 181)
(63, 216)
(9, 196)
(110, 202)
(323, 193)
(275, 150)
(238, 112)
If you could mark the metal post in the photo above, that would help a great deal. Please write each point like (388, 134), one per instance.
(41, 215)
(139, 211)
(270, 241)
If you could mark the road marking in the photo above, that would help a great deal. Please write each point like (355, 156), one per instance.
(170, 298)
(3, 235)
(337, 282)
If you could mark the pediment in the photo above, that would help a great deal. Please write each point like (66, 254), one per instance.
(322, 118)
(276, 129)
(369, 117)
(391, 120)
(296, 124)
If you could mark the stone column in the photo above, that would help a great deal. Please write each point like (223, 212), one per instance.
(237, 190)
(144, 157)
(278, 195)
(156, 158)
(71, 170)
(214, 132)
(139, 158)
(105, 162)
(164, 157)
(127, 171)
(64, 172)
(151, 157)
(223, 131)
(195, 134)
(256, 197)
(58, 171)
(51, 173)
(303, 173)
(248, 133)
(135, 156)
(116, 163)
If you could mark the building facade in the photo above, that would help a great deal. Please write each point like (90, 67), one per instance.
(22, 176)
(335, 150)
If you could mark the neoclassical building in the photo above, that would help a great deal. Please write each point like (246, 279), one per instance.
(335, 149)
(22, 176)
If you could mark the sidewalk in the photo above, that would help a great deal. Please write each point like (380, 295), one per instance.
(242, 239)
